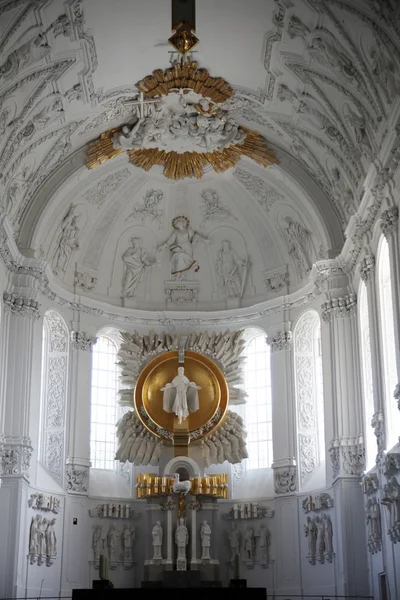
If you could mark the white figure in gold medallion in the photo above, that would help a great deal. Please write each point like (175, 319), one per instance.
(181, 396)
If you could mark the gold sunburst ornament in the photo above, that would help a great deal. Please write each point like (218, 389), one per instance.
(190, 126)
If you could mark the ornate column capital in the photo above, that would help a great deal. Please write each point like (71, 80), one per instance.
(19, 305)
(389, 220)
(16, 457)
(339, 307)
(77, 476)
(367, 268)
(280, 341)
(81, 341)
(347, 457)
(285, 479)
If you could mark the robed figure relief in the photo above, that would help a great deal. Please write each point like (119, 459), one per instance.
(181, 396)
(180, 245)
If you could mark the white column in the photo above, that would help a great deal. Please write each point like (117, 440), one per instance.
(170, 534)
(284, 465)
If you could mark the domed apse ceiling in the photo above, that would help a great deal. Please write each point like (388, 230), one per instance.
(306, 76)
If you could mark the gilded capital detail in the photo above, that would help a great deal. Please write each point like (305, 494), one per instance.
(339, 307)
(389, 220)
(81, 341)
(367, 269)
(281, 341)
(19, 305)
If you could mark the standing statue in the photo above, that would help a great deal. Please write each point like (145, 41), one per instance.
(320, 539)
(264, 537)
(249, 542)
(98, 542)
(67, 241)
(128, 536)
(51, 540)
(112, 540)
(328, 537)
(42, 538)
(34, 538)
(180, 244)
(310, 531)
(205, 536)
(227, 267)
(299, 240)
(181, 396)
(181, 540)
(234, 541)
(157, 535)
(136, 261)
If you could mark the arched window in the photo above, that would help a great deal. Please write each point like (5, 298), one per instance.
(368, 394)
(53, 394)
(309, 395)
(103, 404)
(258, 410)
(388, 342)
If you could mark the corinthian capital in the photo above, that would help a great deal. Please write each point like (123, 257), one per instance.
(81, 341)
(389, 220)
(19, 305)
(281, 341)
(367, 267)
(339, 307)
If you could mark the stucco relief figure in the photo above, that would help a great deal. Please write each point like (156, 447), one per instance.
(213, 209)
(51, 540)
(129, 137)
(321, 538)
(112, 542)
(49, 110)
(28, 53)
(42, 538)
(234, 541)
(136, 261)
(34, 538)
(181, 396)
(157, 535)
(264, 538)
(310, 531)
(249, 543)
(128, 536)
(358, 124)
(180, 245)
(325, 48)
(67, 241)
(98, 542)
(181, 538)
(299, 241)
(231, 271)
(205, 536)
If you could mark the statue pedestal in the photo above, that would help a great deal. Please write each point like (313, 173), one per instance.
(181, 293)
(181, 564)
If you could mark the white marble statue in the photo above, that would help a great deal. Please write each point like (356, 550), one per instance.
(136, 261)
(310, 531)
(249, 545)
(51, 540)
(181, 396)
(157, 535)
(321, 545)
(181, 538)
(328, 534)
(205, 536)
(34, 537)
(180, 244)
(180, 486)
(234, 541)
(231, 271)
(112, 542)
(98, 542)
(67, 241)
(213, 209)
(129, 137)
(299, 240)
(128, 536)
(264, 538)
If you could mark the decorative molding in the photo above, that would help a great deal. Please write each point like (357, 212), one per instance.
(81, 341)
(264, 193)
(280, 341)
(21, 306)
(339, 307)
(353, 454)
(39, 501)
(16, 458)
(103, 190)
(84, 280)
(389, 220)
(181, 292)
(77, 478)
(285, 479)
(114, 511)
(276, 280)
(369, 483)
(367, 267)
(321, 501)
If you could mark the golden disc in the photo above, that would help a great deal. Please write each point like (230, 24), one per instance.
(213, 396)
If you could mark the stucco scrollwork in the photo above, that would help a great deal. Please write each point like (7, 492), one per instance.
(77, 478)
(98, 194)
(264, 193)
(389, 220)
(280, 341)
(339, 307)
(367, 268)
(308, 455)
(285, 479)
(18, 305)
(82, 341)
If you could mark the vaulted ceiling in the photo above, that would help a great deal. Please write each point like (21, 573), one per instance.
(317, 78)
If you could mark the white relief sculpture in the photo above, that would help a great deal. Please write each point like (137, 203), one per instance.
(42, 541)
(136, 261)
(374, 526)
(181, 396)
(328, 537)
(157, 538)
(51, 543)
(113, 539)
(342, 191)
(85, 281)
(296, 28)
(276, 280)
(181, 540)
(310, 531)
(326, 49)
(386, 72)
(98, 542)
(99, 194)
(180, 244)
(180, 486)
(67, 241)
(149, 207)
(4, 116)
(234, 541)
(34, 538)
(358, 125)
(391, 501)
(48, 111)
(313, 112)
(321, 543)
(17, 188)
(205, 536)
(213, 209)
(249, 543)
(128, 536)
(231, 271)
(265, 194)
(264, 540)
(300, 249)
(28, 53)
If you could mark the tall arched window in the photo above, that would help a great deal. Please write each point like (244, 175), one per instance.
(365, 345)
(309, 395)
(103, 404)
(258, 410)
(388, 342)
